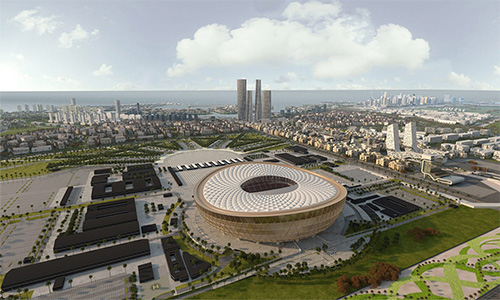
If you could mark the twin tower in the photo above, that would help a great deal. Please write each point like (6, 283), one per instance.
(245, 107)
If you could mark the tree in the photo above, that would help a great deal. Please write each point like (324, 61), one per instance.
(48, 283)
(125, 267)
(109, 270)
(70, 282)
(90, 277)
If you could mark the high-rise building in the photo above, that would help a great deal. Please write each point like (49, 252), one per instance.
(249, 109)
(410, 137)
(266, 104)
(118, 109)
(138, 109)
(73, 101)
(19, 108)
(258, 101)
(27, 107)
(242, 103)
(392, 138)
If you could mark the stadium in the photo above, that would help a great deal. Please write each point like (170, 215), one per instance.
(268, 202)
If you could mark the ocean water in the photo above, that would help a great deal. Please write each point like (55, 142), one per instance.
(280, 99)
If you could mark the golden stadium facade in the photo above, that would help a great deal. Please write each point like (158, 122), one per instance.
(269, 202)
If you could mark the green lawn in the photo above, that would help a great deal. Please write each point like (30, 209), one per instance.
(16, 130)
(29, 169)
(494, 127)
(455, 225)
(205, 141)
(187, 248)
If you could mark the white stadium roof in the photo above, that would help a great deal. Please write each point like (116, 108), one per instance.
(223, 189)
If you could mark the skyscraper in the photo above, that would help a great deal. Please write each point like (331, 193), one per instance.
(73, 101)
(118, 109)
(392, 138)
(138, 109)
(266, 104)
(242, 103)
(410, 137)
(249, 108)
(258, 101)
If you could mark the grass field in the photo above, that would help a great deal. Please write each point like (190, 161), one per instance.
(18, 130)
(205, 141)
(186, 248)
(494, 127)
(25, 170)
(455, 225)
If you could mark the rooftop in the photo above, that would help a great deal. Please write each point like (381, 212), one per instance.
(265, 187)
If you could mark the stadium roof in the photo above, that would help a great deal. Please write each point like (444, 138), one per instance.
(266, 187)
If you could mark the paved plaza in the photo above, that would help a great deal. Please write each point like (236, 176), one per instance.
(16, 241)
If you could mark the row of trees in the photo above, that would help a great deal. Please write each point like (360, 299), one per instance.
(382, 271)
(419, 234)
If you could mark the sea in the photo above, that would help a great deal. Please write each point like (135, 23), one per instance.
(280, 99)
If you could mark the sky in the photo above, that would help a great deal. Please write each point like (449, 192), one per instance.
(207, 45)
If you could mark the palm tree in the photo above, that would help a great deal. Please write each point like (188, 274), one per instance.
(125, 267)
(109, 270)
(48, 283)
(90, 277)
(26, 290)
(70, 282)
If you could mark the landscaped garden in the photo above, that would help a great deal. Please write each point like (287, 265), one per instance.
(456, 226)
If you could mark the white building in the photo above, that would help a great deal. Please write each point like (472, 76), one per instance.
(410, 137)
(392, 138)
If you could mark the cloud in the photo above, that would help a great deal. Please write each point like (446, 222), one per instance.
(104, 70)
(334, 43)
(496, 70)
(19, 56)
(11, 78)
(64, 80)
(482, 86)
(30, 20)
(290, 76)
(397, 79)
(464, 81)
(78, 34)
(126, 86)
(311, 11)
(460, 80)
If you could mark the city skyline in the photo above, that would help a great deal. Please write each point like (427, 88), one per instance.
(289, 45)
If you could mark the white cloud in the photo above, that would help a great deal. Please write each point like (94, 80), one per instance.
(67, 82)
(482, 86)
(496, 70)
(290, 76)
(350, 86)
(460, 80)
(30, 20)
(311, 11)
(78, 34)
(11, 78)
(104, 70)
(397, 79)
(335, 44)
(208, 79)
(126, 86)
(19, 56)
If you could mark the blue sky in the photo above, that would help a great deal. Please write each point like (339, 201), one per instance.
(207, 45)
